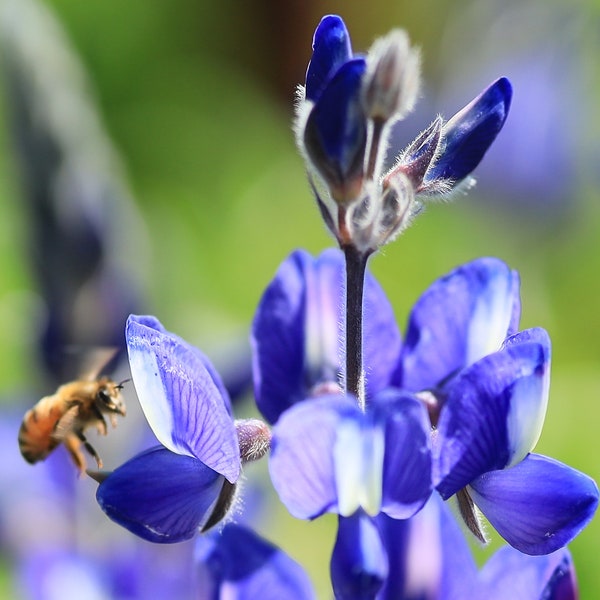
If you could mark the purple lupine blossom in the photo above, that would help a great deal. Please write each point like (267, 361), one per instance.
(297, 330)
(427, 557)
(169, 492)
(485, 387)
(238, 563)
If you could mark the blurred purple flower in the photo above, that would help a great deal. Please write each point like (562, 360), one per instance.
(236, 562)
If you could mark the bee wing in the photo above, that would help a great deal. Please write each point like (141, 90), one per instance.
(65, 423)
(95, 360)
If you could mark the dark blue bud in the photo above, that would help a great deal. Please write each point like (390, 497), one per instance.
(331, 49)
(335, 136)
(470, 132)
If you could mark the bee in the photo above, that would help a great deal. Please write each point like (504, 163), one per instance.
(63, 417)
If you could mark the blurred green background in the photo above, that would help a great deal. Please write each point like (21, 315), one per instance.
(197, 98)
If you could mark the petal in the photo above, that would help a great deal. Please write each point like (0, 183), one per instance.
(359, 562)
(331, 49)
(278, 338)
(407, 463)
(358, 457)
(335, 136)
(529, 400)
(302, 463)
(479, 423)
(512, 574)
(160, 496)
(298, 327)
(429, 555)
(382, 341)
(470, 132)
(185, 408)
(537, 506)
(237, 563)
(461, 318)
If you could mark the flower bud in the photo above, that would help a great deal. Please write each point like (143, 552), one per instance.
(392, 80)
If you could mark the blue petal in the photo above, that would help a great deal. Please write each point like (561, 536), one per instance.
(512, 574)
(470, 132)
(161, 496)
(359, 562)
(407, 463)
(458, 320)
(302, 465)
(382, 341)
(278, 334)
(429, 555)
(298, 327)
(537, 506)
(331, 49)
(529, 399)
(239, 564)
(479, 426)
(185, 408)
(336, 129)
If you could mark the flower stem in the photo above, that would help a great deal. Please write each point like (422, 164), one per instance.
(356, 263)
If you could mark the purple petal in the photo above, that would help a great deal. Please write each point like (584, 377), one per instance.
(470, 132)
(512, 574)
(237, 563)
(429, 555)
(359, 562)
(302, 465)
(381, 337)
(331, 49)
(458, 320)
(407, 462)
(537, 506)
(335, 135)
(491, 410)
(161, 496)
(184, 406)
(298, 327)
(296, 330)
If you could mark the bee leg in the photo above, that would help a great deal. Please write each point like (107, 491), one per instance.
(101, 427)
(73, 444)
(100, 424)
(90, 448)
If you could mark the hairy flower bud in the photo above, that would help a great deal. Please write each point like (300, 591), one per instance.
(392, 80)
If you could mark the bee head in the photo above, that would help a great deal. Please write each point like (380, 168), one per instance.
(109, 398)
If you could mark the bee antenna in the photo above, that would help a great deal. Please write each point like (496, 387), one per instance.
(119, 385)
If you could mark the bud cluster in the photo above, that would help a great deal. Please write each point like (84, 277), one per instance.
(344, 116)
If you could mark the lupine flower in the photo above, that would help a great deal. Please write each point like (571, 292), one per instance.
(327, 454)
(427, 557)
(344, 114)
(169, 492)
(485, 386)
(297, 330)
(237, 563)
(487, 391)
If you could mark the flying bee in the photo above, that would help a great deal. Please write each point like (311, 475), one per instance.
(63, 417)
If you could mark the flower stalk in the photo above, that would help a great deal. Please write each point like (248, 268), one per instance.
(356, 264)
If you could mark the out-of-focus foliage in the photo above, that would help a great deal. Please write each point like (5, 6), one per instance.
(197, 98)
